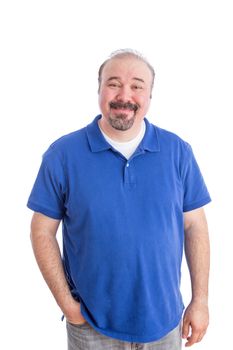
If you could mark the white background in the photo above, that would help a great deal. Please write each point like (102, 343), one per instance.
(50, 54)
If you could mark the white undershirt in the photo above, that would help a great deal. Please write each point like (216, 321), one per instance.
(127, 148)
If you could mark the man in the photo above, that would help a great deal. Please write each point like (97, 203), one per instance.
(130, 195)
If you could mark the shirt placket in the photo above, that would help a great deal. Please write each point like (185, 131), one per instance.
(129, 177)
(129, 173)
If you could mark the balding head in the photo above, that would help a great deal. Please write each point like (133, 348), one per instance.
(124, 54)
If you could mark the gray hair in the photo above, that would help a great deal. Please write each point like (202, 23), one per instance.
(122, 53)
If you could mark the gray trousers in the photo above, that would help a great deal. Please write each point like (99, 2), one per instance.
(84, 337)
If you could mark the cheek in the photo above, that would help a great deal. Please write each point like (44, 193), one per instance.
(143, 101)
(105, 97)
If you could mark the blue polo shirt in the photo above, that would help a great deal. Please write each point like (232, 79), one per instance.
(122, 226)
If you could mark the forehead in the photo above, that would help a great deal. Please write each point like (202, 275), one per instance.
(127, 68)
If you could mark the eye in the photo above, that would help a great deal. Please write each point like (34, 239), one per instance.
(137, 87)
(113, 85)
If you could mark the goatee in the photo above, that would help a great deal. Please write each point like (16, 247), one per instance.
(121, 121)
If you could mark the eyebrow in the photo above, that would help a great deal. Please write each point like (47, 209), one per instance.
(113, 78)
(139, 79)
(118, 78)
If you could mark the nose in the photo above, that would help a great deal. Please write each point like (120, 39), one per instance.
(124, 94)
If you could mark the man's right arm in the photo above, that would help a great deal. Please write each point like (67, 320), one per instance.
(48, 257)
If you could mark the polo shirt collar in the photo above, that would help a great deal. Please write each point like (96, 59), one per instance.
(98, 143)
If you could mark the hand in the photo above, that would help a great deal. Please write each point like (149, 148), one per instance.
(196, 320)
(73, 314)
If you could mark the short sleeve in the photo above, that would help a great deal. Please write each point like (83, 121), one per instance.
(194, 188)
(49, 190)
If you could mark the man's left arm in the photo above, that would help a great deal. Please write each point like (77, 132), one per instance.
(197, 251)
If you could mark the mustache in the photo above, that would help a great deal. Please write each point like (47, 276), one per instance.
(121, 105)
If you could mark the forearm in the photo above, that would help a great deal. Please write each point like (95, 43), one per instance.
(48, 256)
(197, 252)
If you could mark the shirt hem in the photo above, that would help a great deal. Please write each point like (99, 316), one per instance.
(134, 338)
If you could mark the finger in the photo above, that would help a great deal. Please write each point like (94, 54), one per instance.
(185, 329)
(201, 337)
(192, 339)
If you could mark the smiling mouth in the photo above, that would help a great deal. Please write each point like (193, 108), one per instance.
(122, 111)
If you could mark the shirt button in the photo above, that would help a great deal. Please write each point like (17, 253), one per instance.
(127, 165)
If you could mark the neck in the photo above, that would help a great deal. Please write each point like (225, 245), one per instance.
(119, 135)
